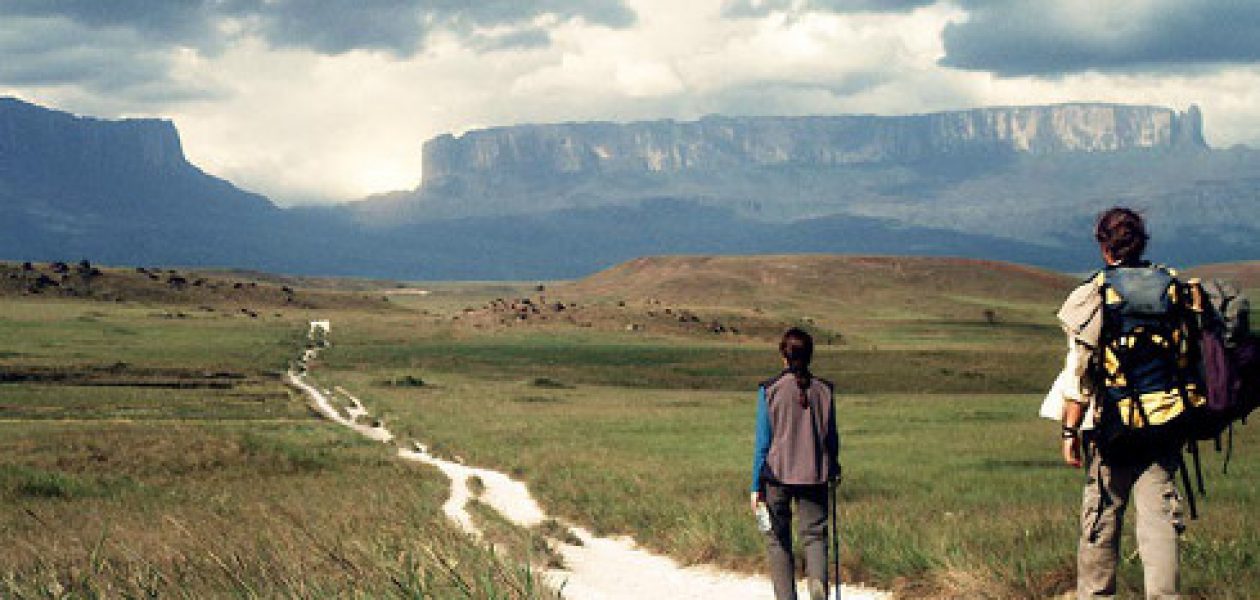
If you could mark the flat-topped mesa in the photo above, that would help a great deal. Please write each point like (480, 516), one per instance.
(34, 139)
(714, 143)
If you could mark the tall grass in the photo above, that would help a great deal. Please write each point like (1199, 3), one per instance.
(227, 511)
(946, 495)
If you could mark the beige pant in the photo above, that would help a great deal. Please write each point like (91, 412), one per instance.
(1150, 486)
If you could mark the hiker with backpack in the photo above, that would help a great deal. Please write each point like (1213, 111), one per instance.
(796, 461)
(1130, 386)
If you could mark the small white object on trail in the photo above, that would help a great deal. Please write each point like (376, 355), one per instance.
(600, 568)
(317, 326)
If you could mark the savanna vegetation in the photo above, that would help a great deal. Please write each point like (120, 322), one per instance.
(145, 456)
(141, 453)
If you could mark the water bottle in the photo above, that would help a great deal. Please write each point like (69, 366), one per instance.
(763, 517)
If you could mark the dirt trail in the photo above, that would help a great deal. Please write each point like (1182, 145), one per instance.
(599, 568)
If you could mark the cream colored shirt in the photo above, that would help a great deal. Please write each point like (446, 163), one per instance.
(1081, 319)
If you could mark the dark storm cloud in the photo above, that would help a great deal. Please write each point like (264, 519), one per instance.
(43, 52)
(124, 47)
(753, 8)
(402, 26)
(326, 26)
(183, 21)
(1041, 37)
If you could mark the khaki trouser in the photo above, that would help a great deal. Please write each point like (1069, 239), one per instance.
(811, 525)
(1150, 486)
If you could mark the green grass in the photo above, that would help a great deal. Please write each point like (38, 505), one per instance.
(137, 479)
(68, 333)
(946, 495)
(598, 358)
(952, 487)
(229, 510)
(69, 402)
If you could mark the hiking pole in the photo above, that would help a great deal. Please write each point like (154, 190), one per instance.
(835, 531)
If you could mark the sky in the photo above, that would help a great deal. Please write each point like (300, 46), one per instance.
(313, 101)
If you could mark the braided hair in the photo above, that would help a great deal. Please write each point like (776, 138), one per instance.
(797, 348)
(1122, 233)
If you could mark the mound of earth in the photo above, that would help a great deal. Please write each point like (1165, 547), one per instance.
(834, 281)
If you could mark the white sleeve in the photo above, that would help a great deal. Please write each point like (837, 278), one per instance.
(1067, 386)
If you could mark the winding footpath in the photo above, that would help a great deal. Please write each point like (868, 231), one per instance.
(599, 568)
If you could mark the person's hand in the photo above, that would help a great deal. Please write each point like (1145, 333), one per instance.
(757, 498)
(1072, 452)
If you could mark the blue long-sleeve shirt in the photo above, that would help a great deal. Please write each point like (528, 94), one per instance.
(762, 446)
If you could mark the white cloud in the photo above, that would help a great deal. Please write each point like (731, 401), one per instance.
(303, 126)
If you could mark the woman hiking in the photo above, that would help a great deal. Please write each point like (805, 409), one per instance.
(796, 458)
(1126, 382)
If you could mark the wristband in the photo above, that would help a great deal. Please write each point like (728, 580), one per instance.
(1071, 433)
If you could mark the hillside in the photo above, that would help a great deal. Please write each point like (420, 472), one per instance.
(1016, 183)
(849, 280)
(880, 295)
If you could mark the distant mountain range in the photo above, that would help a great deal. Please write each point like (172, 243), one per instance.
(564, 200)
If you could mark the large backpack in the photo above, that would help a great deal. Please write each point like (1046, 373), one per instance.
(1147, 381)
(1231, 359)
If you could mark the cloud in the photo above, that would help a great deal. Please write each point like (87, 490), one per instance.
(762, 8)
(514, 39)
(50, 52)
(400, 27)
(187, 22)
(334, 105)
(1054, 37)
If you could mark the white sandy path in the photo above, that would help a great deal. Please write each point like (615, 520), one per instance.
(325, 407)
(600, 568)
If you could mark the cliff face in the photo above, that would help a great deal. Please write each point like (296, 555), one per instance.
(36, 143)
(77, 165)
(117, 191)
(537, 152)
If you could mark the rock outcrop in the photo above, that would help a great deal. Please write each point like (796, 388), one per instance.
(714, 144)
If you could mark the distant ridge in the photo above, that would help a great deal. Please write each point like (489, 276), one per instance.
(716, 142)
(1020, 184)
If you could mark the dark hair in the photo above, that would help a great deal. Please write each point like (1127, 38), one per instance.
(797, 348)
(1122, 233)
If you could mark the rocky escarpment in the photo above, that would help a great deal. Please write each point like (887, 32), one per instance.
(714, 144)
(117, 191)
(36, 143)
(57, 162)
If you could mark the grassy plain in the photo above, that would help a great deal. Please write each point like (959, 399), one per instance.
(147, 456)
(952, 485)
